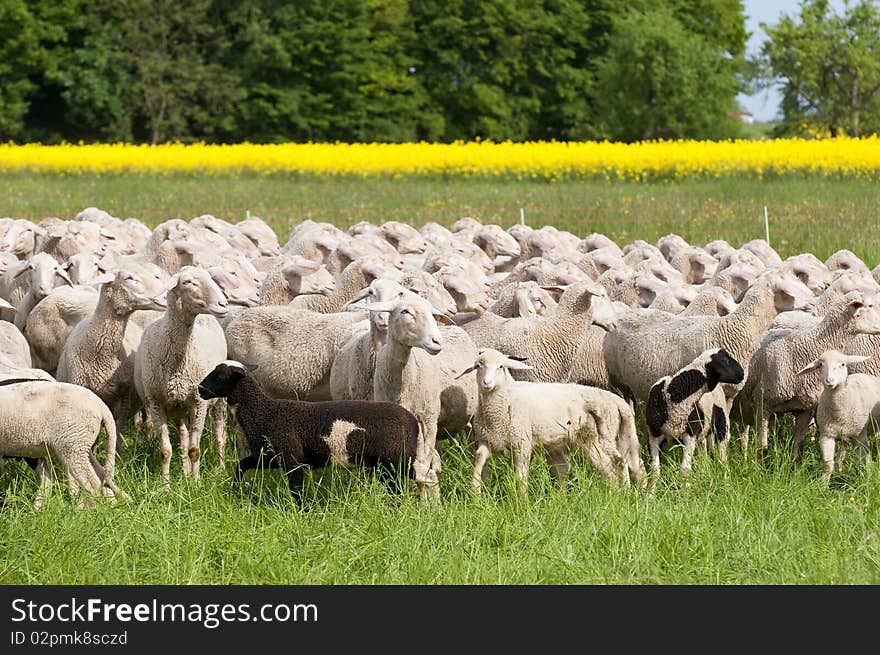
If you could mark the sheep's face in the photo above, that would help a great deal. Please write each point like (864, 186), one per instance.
(429, 287)
(468, 295)
(380, 291)
(722, 368)
(603, 313)
(866, 314)
(83, 268)
(495, 242)
(718, 248)
(491, 367)
(198, 293)
(140, 288)
(239, 281)
(220, 382)
(309, 278)
(724, 302)
(261, 235)
(833, 365)
(44, 274)
(20, 239)
(413, 324)
(791, 294)
(809, 270)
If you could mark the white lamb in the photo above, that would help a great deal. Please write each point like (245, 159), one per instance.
(517, 417)
(848, 409)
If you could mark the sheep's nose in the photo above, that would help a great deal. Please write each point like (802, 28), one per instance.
(5, 247)
(437, 341)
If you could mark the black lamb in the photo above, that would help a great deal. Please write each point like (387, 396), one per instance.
(294, 434)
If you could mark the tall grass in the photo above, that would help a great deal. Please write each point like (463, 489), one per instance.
(753, 523)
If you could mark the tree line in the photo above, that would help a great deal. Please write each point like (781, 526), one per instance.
(382, 70)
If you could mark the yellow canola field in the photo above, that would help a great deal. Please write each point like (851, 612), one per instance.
(839, 156)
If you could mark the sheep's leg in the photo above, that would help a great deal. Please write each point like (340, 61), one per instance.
(244, 464)
(160, 420)
(602, 461)
(559, 465)
(522, 456)
(295, 483)
(841, 453)
(218, 415)
(197, 426)
(480, 458)
(763, 434)
(826, 447)
(45, 479)
(80, 469)
(427, 468)
(723, 445)
(687, 459)
(183, 433)
(801, 425)
(744, 440)
(654, 450)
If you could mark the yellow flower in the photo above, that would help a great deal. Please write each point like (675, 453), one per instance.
(670, 160)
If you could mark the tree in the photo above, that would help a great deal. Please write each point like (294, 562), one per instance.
(659, 79)
(829, 66)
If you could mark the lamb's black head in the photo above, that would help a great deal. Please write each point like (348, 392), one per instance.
(723, 368)
(220, 382)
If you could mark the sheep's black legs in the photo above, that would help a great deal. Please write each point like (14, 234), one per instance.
(295, 482)
(261, 461)
(389, 474)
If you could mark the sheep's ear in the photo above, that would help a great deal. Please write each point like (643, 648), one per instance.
(516, 365)
(222, 278)
(104, 278)
(461, 285)
(810, 367)
(386, 306)
(24, 269)
(443, 319)
(557, 288)
(107, 235)
(360, 295)
(856, 306)
(57, 231)
(184, 247)
(60, 272)
(5, 304)
(251, 367)
(856, 359)
(300, 267)
(470, 369)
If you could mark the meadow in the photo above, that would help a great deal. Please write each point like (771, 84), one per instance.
(756, 523)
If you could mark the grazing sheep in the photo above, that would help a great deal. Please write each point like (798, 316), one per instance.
(848, 409)
(687, 405)
(39, 417)
(295, 276)
(291, 434)
(99, 354)
(176, 353)
(517, 417)
(846, 260)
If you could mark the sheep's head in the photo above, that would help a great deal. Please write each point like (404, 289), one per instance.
(220, 382)
(721, 368)
(382, 290)
(491, 367)
(20, 238)
(44, 274)
(834, 366)
(238, 278)
(138, 288)
(197, 292)
(84, 267)
(413, 323)
(304, 276)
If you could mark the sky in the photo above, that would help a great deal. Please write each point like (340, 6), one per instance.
(765, 104)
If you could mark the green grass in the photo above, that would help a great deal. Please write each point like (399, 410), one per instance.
(754, 523)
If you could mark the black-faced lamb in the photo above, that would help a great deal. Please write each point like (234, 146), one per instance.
(294, 434)
(688, 404)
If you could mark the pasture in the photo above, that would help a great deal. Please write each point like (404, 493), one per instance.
(756, 523)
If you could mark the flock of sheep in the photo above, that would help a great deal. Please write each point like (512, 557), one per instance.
(363, 347)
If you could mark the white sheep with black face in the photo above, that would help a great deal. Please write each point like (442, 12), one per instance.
(849, 407)
(517, 417)
(689, 405)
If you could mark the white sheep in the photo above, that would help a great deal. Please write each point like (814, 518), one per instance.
(518, 417)
(42, 417)
(176, 353)
(848, 409)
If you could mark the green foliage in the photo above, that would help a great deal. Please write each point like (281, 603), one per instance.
(661, 80)
(365, 70)
(829, 65)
